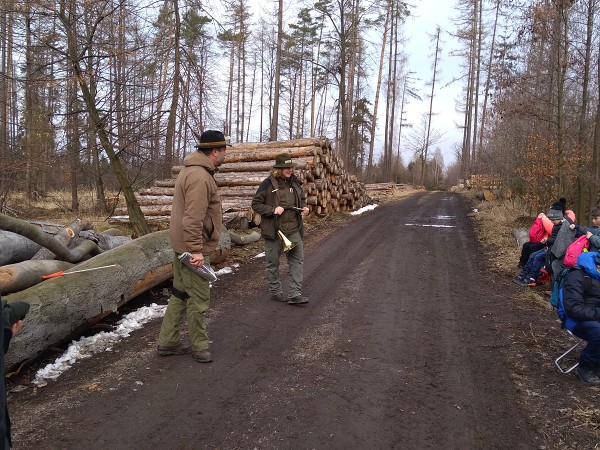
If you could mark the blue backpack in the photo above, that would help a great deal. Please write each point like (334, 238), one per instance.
(556, 297)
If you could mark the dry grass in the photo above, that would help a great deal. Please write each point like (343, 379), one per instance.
(495, 222)
(55, 207)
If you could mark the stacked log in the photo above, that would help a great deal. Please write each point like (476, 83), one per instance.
(327, 187)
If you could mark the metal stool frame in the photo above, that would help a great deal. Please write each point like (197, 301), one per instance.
(558, 361)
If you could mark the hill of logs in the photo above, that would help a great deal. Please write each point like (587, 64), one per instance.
(327, 187)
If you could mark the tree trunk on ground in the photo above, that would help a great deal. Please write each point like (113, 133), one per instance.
(64, 237)
(23, 275)
(32, 232)
(62, 304)
(16, 248)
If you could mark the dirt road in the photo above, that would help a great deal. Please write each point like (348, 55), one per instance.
(401, 347)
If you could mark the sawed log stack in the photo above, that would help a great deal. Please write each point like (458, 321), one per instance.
(326, 185)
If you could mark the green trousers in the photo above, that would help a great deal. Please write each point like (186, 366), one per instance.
(295, 260)
(198, 289)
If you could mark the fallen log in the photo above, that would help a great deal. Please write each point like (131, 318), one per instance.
(243, 239)
(105, 241)
(62, 304)
(23, 275)
(16, 248)
(29, 231)
(64, 237)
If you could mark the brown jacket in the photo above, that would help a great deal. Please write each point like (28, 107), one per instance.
(196, 214)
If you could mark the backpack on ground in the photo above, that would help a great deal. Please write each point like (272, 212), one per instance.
(578, 246)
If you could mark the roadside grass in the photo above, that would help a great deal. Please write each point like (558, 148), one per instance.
(55, 207)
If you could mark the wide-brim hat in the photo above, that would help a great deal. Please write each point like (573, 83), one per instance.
(212, 139)
(284, 160)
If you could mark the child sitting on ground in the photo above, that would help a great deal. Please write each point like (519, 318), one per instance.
(531, 270)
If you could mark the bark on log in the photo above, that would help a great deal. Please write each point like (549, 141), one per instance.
(27, 230)
(23, 275)
(16, 248)
(64, 237)
(105, 241)
(243, 239)
(60, 305)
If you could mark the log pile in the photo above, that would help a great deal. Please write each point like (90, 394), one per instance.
(326, 185)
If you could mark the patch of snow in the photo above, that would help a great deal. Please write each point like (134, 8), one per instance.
(363, 209)
(105, 340)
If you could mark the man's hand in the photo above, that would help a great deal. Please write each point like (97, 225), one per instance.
(278, 211)
(197, 259)
(305, 211)
(16, 327)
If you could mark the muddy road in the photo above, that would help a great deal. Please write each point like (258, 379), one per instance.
(401, 347)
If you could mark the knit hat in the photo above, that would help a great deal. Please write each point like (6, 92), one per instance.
(283, 160)
(555, 213)
(560, 204)
(212, 139)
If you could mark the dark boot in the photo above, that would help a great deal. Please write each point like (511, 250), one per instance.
(587, 376)
(298, 300)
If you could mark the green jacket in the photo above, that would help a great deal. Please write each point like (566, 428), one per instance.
(268, 197)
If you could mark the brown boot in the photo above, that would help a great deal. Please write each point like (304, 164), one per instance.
(179, 349)
(202, 356)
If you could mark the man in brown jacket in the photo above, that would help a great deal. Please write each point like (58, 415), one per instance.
(196, 219)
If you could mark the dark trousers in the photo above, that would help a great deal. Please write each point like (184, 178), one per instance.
(527, 249)
(589, 331)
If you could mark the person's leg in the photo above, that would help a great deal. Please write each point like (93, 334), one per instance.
(295, 260)
(589, 360)
(538, 262)
(526, 251)
(169, 331)
(272, 253)
(198, 289)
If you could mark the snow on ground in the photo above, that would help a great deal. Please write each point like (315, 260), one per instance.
(100, 342)
(86, 347)
(363, 209)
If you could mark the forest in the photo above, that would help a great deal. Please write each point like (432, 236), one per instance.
(110, 94)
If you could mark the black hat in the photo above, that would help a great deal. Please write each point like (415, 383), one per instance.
(13, 312)
(560, 204)
(283, 160)
(212, 139)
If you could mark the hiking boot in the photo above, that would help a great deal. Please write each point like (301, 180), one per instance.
(278, 297)
(202, 356)
(530, 281)
(588, 376)
(298, 300)
(521, 281)
(167, 350)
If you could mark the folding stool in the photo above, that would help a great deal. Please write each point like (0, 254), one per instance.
(558, 361)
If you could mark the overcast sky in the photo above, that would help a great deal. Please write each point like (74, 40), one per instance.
(426, 15)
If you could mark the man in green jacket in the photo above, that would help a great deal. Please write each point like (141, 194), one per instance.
(196, 219)
(280, 202)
